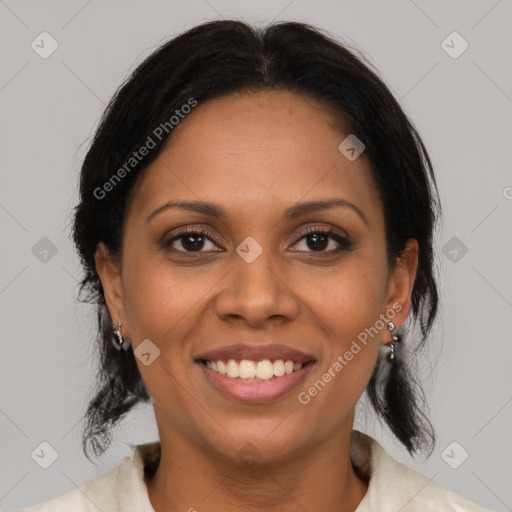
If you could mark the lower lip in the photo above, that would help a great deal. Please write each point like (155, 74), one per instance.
(256, 391)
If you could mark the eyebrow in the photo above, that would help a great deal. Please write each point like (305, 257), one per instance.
(297, 210)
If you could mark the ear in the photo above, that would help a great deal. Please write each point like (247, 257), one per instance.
(401, 281)
(109, 271)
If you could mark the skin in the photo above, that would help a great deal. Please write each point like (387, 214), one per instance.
(255, 155)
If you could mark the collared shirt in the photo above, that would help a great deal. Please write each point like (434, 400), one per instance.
(392, 486)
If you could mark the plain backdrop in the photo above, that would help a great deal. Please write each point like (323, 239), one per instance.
(461, 103)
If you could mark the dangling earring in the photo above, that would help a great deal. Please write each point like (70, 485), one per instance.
(118, 341)
(394, 339)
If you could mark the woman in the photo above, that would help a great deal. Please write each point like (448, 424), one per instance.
(256, 224)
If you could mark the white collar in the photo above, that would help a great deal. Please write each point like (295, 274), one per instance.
(392, 485)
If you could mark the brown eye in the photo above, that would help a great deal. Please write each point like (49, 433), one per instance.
(191, 240)
(318, 240)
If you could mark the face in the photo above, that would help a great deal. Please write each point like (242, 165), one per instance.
(255, 271)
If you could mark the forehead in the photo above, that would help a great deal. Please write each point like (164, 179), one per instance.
(256, 151)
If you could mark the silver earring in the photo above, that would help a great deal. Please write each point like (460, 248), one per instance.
(118, 341)
(394, 339)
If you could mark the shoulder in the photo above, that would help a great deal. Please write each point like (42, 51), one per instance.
(394, 486)
(99, 493)
(121, 489)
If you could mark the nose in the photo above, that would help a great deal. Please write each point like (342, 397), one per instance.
(256, 292)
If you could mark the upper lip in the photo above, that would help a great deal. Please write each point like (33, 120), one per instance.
(255, 353)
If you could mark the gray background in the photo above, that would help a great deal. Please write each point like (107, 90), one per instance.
(49, 109)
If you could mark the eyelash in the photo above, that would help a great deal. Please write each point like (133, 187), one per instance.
(343, 241)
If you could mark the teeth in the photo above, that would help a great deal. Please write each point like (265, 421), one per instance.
(265, 370)
(254, 370)
(222, 367)
(279, 368)
(247, 369)
(232, 369)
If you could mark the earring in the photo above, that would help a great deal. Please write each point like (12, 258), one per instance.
(394, 339)
(118, 341)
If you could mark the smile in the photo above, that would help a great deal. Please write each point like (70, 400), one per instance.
(254, 371)
(255, 389)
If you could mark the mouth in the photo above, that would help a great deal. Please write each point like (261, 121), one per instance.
(247, 370)
(255, 374)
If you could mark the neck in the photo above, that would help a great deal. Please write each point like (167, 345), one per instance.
(191, 478)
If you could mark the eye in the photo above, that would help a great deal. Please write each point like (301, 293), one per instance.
(194, 240)
(191, 240)
(319, 239)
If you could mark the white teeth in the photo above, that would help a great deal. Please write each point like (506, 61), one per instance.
(222, 367)
(264, 370)
(232, 369)
(254, 370)
(247, 369)
(279, 368)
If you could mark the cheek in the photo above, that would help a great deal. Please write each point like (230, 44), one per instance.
(166, 304)
(350, 305)
(156, 309)
(351, 313)
(160, 301)
(161, 306)
(353, 297)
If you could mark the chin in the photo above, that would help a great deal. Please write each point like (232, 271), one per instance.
(257, 442)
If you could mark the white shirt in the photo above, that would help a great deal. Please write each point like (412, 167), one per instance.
(392, 486)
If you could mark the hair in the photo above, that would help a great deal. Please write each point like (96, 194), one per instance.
(220, 58)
